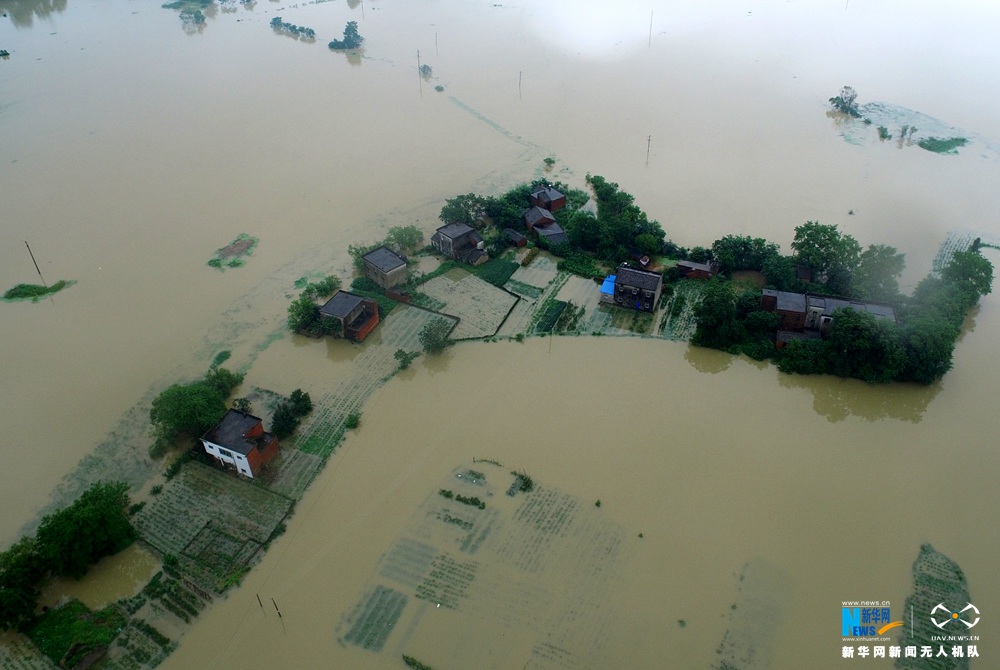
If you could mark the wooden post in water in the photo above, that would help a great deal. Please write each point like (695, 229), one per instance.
(519, 73)
(651, 28)
(436, 53)
(649, 140)
(420, 76)
(276, 608)
(36, 264)
(261, 604)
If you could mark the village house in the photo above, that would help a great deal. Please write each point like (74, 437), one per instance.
(548, 198)
(805, 315)
(356, 314)
(460, 242)
(516, 238)
(543, 225)
(385, 267)
(239, 442)
(692, 270)
(637, 289)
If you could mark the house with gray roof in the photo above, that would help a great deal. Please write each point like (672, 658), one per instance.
(385, 267)
(637, 289)
(813, 314)
(461, 242)
(239, 442)
(548, 198)
(357, 315)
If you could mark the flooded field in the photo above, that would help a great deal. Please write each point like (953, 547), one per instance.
(136, 146)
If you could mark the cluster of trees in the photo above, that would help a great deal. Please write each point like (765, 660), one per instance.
(917, 348)
(617, 230)
(289, 413)
(303, 313)
(67, 543)
(825, 261)
(846, 102)
(191, 409)
(402, 239)
(292, 30)
(352, 39)
(434, 336)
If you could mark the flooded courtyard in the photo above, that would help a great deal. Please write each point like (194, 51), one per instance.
(135, 146)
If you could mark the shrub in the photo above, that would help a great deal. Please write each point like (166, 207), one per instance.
(434, 336)
(352, 421)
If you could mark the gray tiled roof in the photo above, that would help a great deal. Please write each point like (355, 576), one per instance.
(534, 215)
(230, 431)
(454, 230)
(384, 259)
(341, 304)
(626, 276)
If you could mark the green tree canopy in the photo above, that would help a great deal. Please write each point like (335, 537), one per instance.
(865, 347)
(352, 38)
(470, 209)
(22, 570)
(96, 525)
(404, 238)
(930, 343)
(826, 251)
(302, 313)
(877, 275)
(742, 252)
(970, 269)
(191, 409)
(434, 336)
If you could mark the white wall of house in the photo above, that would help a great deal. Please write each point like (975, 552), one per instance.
(238, 461)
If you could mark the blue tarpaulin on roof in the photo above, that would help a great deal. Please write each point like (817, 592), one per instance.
(609, 285)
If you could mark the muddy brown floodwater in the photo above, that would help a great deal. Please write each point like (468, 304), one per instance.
(134, 149)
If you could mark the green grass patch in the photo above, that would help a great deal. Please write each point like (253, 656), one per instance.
(221, 358)
(34, 292)
(941, 145)
(521, 288)
(549, 314)
(233, 254)
(74, 626)
(495, 271)
(580, 264)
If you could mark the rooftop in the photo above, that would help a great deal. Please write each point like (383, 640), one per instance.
(538, 215)
(454, 230)
(341, 304)
(384, 259)
(229, 432)
(644, 279)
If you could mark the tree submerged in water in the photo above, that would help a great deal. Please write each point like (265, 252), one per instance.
(352, 39)
(846, 102)
(292, 30)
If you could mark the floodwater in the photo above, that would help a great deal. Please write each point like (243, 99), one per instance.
(133, 149)
(112, 578)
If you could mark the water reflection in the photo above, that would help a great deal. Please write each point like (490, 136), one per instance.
(23, 12)
(711, 361)
(837, 399)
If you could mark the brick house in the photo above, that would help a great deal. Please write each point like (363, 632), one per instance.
(548, 198)
(807, 315)
(356, 314)
(239, 442)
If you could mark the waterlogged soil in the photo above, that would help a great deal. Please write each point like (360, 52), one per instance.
(825, 486)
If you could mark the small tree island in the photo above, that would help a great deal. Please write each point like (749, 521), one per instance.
(352, 39)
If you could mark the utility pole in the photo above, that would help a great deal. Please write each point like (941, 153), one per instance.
(649, 140)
